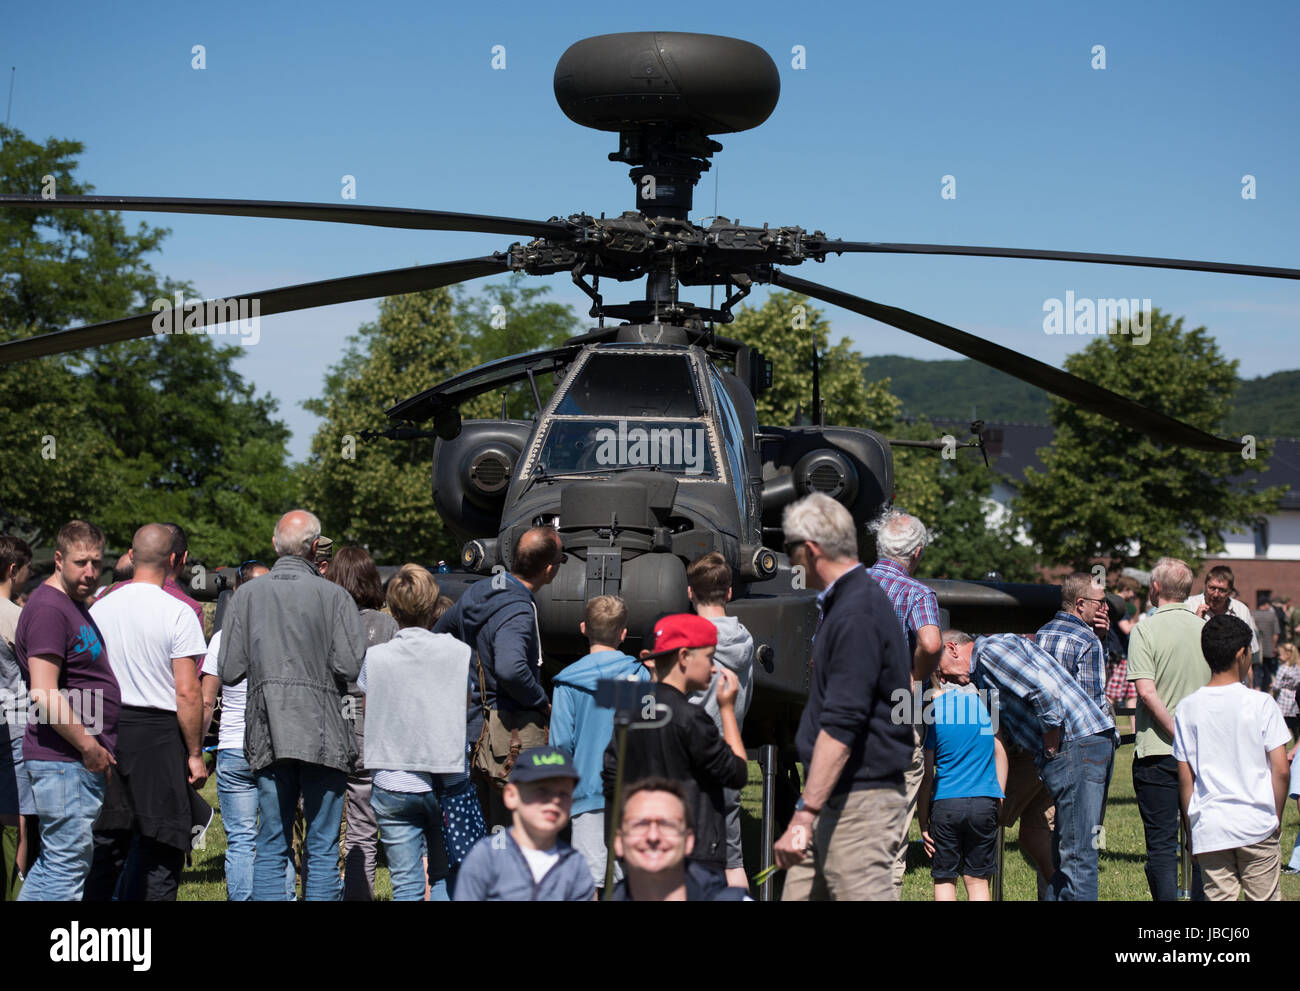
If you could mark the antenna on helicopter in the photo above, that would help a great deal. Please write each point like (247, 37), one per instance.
(818, 411)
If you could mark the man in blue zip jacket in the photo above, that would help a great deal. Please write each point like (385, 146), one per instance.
(498, 619)
(582, 727)
(528, 862)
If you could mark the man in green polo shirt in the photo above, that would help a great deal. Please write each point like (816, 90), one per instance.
(1165, 660)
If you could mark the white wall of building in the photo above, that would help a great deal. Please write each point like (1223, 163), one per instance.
(1283, 539)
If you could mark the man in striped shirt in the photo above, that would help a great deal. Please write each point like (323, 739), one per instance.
(900, 542)
(1043, 710)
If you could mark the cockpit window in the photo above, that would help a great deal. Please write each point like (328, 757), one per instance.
(632, 385)
(590, 445)
(732, 438)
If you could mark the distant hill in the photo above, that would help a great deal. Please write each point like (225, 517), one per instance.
(1268, 406)
(963, 389)
(960, 390)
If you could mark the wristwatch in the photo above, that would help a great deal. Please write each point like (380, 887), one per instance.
(800, 806)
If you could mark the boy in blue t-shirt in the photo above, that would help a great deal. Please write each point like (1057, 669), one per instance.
(959, 815)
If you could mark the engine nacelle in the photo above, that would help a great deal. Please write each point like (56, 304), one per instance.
(472, 472)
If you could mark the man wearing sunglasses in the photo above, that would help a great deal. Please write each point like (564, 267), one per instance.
(841, 841)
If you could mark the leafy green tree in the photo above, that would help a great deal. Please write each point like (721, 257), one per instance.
(52, 447)
(1109, 491)
(67, 267)
(511, 318)
(377, 493)
(161, 429)
(967, 540)
(950, 497)
(784, 328)
(188, 441)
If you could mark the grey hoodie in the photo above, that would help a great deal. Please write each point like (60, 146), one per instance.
(735, 652)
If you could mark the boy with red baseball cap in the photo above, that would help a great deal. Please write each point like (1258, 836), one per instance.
(685, 746)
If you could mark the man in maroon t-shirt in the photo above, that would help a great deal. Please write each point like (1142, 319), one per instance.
(180, 548)
(72, 723)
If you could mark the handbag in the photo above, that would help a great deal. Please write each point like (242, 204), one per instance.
(484, 759)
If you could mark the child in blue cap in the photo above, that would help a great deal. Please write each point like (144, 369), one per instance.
(528, 862)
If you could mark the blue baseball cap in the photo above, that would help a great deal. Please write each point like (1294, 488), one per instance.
(540, 763)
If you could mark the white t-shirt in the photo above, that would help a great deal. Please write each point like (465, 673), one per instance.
(540, 861)
(1225, 733)
(1235, 608)
(9, 613)
(144, 628)
(233, 700)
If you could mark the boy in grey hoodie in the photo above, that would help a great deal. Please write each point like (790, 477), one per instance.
(709, 587)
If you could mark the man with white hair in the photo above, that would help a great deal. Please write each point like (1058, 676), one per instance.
(841, 841)
(1166, 662)
(298, 639)
(900, 542)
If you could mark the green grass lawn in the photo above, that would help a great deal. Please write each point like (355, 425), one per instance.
(1122, 859)
(205, 879)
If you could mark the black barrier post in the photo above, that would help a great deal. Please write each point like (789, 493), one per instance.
(767, 762)
(628, 698)
(1184, 863)
(621, 721)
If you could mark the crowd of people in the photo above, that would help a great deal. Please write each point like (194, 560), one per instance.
(387, 716)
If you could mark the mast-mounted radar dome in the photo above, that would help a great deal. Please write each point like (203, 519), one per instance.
(699, 82)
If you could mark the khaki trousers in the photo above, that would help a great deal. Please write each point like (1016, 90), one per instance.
(912, 779)
(854, 841)
(1256, 869)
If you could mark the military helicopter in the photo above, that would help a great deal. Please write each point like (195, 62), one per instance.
(650, 452)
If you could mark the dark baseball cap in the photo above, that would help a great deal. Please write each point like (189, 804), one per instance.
(540, 763)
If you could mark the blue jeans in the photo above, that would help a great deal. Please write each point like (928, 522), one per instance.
(1078, 778)
(68, 800)
(409, 825)
(278, 787)
(237, 793)
(1155, 783)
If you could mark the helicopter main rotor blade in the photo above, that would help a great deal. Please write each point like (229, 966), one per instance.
(1082, 393)
(1140, 261)
(338, 213)
(394, 282)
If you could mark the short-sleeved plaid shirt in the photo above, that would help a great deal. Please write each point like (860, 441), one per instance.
(914, 604)
(1076, 648)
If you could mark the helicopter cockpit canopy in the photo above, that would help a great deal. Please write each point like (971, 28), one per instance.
(629, 406)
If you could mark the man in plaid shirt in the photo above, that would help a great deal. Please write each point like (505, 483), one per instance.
(1071, 637)
(900, 542)
(1043, 710)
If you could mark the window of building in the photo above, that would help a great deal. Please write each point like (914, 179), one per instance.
(1261, 538)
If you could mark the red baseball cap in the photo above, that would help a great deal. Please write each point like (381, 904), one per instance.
(684, 630)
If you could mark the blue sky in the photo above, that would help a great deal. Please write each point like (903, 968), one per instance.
(1145, 156)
